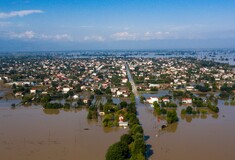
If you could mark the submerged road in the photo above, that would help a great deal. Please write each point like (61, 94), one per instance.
(147, 120)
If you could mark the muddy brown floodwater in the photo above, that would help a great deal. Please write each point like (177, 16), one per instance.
(32, 133)
(195, 138)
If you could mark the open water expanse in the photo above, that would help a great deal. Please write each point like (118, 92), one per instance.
(33, 133)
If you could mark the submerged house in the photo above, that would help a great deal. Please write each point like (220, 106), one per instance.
(151, 100)
(121, 122)
(187, 100)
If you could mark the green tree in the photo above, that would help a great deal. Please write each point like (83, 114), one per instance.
(126, 138)
(189, 110)
(118, 151)
(172, 117)
(123, 104)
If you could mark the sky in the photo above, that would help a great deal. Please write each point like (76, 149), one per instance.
(31, 25)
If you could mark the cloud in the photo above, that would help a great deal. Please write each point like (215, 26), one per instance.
(124, 36)
(94, 38)
(20, 13)
(24, 35)
(140, 36)
(156, 35)
(30, 35)
(58, 37)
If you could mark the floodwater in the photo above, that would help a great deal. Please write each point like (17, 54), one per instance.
(34, 133)
(193, 137)
(200, 137)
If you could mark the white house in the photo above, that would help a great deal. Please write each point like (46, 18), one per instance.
(121, 122)
(165, 100)
(119, 93)
(154, 85)
(124, 80)
(33, 91)
(152, 99)
(187, 100)
(75, 97)
(65, 90)
(189, 88)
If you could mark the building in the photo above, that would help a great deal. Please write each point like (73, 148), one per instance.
(65, 90)
(121, 122)
(75, 97)
(165, 100)
(151, 100)
(33, 91)
(187, 100)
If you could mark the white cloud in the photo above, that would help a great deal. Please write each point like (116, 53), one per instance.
(124, 36)
(21, 13)
(59, 37)
(24, 35)
(27, 35)
(156, 35)
(140, 36)
(94, 38)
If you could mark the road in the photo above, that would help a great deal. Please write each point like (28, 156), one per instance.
(134, 88)
(147, 120)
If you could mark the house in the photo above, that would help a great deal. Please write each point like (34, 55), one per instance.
(154, 85)
(151, 100)
(189, 88)
(121, 122)
(119, 93)
(65, 90)
(85, 100)
(186, 100)
(18, 94)
(165, 100)
(101, 113)
(83, 87)
(124, 80)
(75, 97)
(33, 91)
(125, 95)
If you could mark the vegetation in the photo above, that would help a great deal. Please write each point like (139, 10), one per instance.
(172, 117)
(92, 112)
(132, 145)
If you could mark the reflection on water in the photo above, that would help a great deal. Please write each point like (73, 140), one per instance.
(34, 133)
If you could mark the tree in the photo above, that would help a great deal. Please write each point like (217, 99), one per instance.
(136, 129)
(126, 138)
(98, 92)
(138, 146)
(172, 117)
(142, 99)
(118, 151)
(108, 90)
(189, 110)
(123, 104)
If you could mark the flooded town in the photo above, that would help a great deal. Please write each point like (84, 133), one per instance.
(100, 105)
